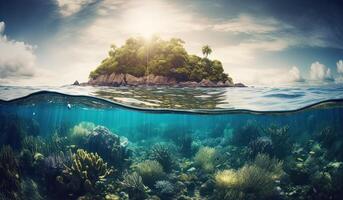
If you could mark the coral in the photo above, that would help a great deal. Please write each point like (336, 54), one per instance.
(80, 132)
(33, 144)
(165, 189)
(107, 144)
(282, 143)
(55, 144)
(185, 144)
(164, 156)
(243, 135)
(271, 165)
(86, 171)
(29, 190)
(256, 180)
(261, 145)
(205, 158)
(9, 173)
(248, 182)
(150, 171)
(332, 140)
(134, 186)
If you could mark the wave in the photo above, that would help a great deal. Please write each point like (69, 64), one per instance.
(92, 101)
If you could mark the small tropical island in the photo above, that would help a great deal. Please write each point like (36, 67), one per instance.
(158, 62)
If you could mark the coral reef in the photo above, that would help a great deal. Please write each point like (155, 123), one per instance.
(107, 144)
(204, 158)
(243, 135)
(163, 154)
(9, 173)
(80, 132)
(150, 171)
(87, 170)
(134, 186)
(165, 189)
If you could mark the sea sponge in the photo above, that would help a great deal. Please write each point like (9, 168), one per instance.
(150, 171)
(204, 158)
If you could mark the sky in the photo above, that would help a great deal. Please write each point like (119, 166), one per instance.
(268, 42)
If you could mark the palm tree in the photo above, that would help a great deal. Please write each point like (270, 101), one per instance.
(206, 50)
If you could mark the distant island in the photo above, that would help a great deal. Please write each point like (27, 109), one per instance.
(159, 62)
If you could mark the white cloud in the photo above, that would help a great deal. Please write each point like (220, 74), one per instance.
(70, 7)
(340, 66)
(319, 72)
(16, 58)
(294, 75)
(248, 24)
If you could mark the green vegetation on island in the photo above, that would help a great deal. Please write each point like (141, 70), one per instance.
(140, 57)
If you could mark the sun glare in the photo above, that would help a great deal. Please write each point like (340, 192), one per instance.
(146, 20)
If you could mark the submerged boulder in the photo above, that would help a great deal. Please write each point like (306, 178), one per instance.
(108, 145)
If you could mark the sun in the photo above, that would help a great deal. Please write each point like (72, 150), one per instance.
(146, 20)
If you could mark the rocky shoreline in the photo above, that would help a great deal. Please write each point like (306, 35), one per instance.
(117, 80)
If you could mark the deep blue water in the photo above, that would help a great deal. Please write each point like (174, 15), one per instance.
(300, 128)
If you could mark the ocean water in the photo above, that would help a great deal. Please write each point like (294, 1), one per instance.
(171, 143)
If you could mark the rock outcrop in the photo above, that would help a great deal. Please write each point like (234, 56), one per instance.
(152, 80)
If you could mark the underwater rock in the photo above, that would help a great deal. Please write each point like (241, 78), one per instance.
(207, 187)
(107, 144)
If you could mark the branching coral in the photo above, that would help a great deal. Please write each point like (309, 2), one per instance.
(85, 171)
(9, 173)
(205, 158)
(164, 156)
(165, 189)
(134, 186)
(150, 171)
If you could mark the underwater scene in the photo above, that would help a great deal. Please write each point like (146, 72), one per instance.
(58, 146)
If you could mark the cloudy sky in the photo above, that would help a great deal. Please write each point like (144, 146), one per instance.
(54, 42)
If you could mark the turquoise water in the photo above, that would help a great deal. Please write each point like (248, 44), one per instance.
(199, 146)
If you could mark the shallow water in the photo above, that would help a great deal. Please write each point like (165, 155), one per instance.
(259, 98)
(201, 143)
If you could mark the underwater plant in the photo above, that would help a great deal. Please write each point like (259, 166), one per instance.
(150, 171)
(29, 190)
(205, 158)
(243, 135)
(79, 132)
(134, 186)
(9, 174)
(86, 171)
(261, 145)
(252, 181)
(281, 139)
(33, 144)
(163, 154)
(185, 144)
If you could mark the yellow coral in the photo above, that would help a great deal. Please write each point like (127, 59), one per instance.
(204, 158)
(226, 179)
(150, 171)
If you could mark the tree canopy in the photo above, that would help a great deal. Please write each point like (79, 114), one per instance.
(140, 57)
